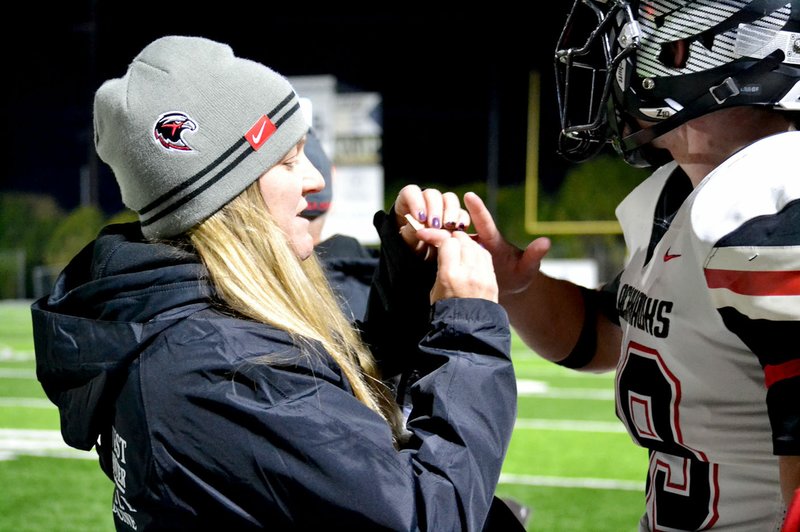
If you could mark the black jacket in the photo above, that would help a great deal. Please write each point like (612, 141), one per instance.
(350, 268)
(198, 433)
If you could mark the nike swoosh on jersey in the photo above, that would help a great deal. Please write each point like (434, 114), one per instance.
(668, 257)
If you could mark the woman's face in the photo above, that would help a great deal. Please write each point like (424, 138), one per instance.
(284, 187)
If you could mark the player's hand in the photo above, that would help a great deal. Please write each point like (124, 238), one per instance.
(429, 208)
(464, 270)
(515, 268)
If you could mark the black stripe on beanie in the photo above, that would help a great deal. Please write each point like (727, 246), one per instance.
(286, 115)
(189, 182)
(199, 190)
(145, 221)
(192, 180)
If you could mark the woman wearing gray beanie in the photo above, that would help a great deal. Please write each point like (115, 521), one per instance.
(201, 352)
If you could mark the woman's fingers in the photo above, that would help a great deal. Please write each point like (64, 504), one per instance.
(428, 210)
(410, 201)
(434, 204)
(465, 270)
(451, 216)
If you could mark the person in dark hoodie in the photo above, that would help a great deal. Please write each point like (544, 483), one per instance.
(350, 267)
(348, 264)
(201, 351)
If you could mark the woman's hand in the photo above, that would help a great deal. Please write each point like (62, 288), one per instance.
(433, 209)
(437, 229)
(465, 270)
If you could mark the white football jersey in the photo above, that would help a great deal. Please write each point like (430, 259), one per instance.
(709, 306)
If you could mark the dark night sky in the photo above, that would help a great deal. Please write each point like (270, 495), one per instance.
(437, 72)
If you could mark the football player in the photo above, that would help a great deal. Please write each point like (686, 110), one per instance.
(702, 324)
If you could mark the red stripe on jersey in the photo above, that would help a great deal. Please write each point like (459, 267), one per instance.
(779, 372)
(755, 283)
(792, 521)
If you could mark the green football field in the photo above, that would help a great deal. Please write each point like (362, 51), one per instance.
(570, 460)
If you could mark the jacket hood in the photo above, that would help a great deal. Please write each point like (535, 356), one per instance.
(106, 305)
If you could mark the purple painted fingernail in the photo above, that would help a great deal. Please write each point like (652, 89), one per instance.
(461, 227)
(436, 223)
(421, 216)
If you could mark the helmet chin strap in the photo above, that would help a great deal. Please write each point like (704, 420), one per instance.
(712, 100)
(643, 156)
(646, 156)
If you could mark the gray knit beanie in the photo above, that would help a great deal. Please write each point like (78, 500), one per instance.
(189, 127)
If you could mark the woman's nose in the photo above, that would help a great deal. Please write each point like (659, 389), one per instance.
(314, 182)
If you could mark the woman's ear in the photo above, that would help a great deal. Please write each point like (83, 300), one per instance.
(674, 54)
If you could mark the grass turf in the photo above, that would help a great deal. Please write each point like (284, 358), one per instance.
(552, 450)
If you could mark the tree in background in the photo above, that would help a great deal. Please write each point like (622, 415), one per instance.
(47, 237)
(76, 230)
(26, 223)
(37, 239)
(591, 191)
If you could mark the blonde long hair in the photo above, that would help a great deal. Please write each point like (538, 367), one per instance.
(257, 274)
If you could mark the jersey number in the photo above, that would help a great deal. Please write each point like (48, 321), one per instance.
(682, 488)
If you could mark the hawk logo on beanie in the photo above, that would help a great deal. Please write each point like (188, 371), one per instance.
(169, 129)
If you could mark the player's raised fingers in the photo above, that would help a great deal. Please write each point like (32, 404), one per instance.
(481, 217)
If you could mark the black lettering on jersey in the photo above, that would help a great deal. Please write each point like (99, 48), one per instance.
(648, 314)
(664, 308)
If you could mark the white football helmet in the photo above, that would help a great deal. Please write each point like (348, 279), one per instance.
(667, 62)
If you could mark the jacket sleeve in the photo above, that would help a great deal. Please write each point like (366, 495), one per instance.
(461, 424)
(301, 452)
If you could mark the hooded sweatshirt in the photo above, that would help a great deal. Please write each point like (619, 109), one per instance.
(207, 420)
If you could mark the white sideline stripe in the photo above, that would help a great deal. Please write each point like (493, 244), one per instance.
(525, 388)
(25, 402)
(6, 353)
(570, 425)
(564, 482)
(553, 370)
(8, 373)
(48, 443)
(15, 442)
(522, 423)
(528, 387)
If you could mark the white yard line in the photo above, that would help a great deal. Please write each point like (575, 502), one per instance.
(25, 402)
(571, 425)
(15, 442)
(533, 388)
(9, 354)
(48, 443)
(525, 387)
(10, 373)
(565, 482)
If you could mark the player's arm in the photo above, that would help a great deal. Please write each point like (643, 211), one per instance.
(792, 520)
(559, 320)
(565, 323)
(790, 476)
